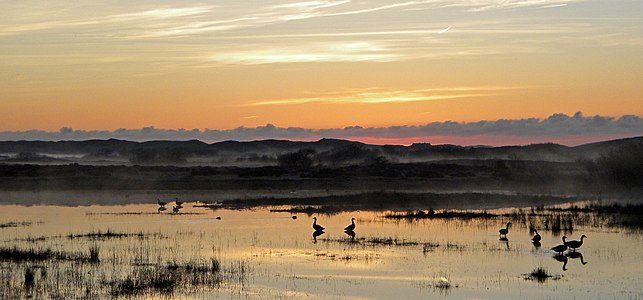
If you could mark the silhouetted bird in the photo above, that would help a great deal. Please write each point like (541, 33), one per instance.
(536, 237)
(161, 203)
(504, 231)
(350, 227)
(175, 209)
(316, 226)
(218, 218)
(576, 244)
(179, 203)
(561, 248)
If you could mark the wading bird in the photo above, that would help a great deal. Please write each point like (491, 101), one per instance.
(537, 237)
(316, 226)
(504, 231)
(350, 227)
(161, 203)
(178, 203)
(575, 244)
(561, 248)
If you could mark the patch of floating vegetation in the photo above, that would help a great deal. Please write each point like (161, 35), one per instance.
(541, 275)
(99, 235)
(15, 224)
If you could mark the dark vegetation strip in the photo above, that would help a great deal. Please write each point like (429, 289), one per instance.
(19, 255)
(96, 235)
(397, 201)
(14, 224)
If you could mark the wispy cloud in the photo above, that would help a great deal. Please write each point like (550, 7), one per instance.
(557, 126)
(355, 51)
(374, 96)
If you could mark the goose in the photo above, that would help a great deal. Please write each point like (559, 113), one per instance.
(350, 227)
(161, 203)
(178, 203)
(536, 237)
(316, 226)
(575, 244)
(504, 231)
(561, 248)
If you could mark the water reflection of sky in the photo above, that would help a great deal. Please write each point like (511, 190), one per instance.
(285, 262)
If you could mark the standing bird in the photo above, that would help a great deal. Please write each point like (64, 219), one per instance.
(350, 227)
(537, 237)
(575, 244)
(161, 203)
(504, 231)
(316, 226)
(178, 203)
(561, 248)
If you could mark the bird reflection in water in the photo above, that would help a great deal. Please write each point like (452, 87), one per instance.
(316, 234)
(351, 234)
(162, 208)
(536, 244)
(563, 259)
(576, 255)
(505, 240)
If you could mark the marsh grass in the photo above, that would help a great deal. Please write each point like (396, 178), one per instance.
(540, 274)
(14, 224)
(100, 235)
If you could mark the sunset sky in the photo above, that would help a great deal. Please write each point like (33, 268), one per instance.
(220, 65)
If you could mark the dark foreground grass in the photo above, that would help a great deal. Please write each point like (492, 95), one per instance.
(164, 280)
(16, 254)
(540, 274)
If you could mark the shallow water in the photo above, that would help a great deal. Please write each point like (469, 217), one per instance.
(404, 259)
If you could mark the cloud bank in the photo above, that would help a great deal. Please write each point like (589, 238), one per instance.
(557, 127)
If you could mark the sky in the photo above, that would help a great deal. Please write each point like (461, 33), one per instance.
(99, 68)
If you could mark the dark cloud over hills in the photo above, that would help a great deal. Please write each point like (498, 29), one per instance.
(555, 126)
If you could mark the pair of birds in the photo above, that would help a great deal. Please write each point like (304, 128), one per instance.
(573, 245)
(318, 227)
(162, 203)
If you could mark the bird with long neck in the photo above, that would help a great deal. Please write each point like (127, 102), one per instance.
(350, 227)
(561, 248)
(316, 226)
(575, 244)
(178, 203)
(504, 231)
(537, 237)
(161, 203)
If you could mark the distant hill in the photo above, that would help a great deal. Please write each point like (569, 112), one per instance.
(331, 151)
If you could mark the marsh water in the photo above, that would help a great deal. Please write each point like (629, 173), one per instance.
(273, 255)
